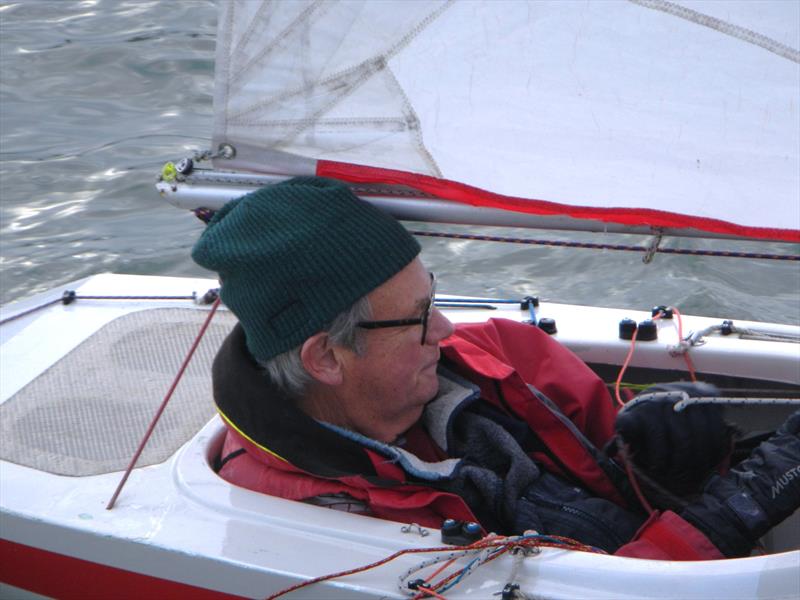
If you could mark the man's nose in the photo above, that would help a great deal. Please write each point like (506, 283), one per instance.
(439, 328)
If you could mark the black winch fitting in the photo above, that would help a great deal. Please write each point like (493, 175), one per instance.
(548, 325)
(68, 297)
(664, 311)
(527, 301)
(510, 592)
(414, 585)
(626, 329)
(208, 298)
(460, 533)
(185, 166)
(727, 327)
(647, 331)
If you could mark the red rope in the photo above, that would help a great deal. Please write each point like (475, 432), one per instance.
(623, 450)
(161, 408)
(431, 593)
(560, 542)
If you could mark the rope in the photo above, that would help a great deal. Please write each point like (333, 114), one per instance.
(512, 588)
(627, 463)
(30, 310)
(728, 328)
(496, 545)
(594, 246)
(161, 408)
(686, 358)
(626, 362)
(192, 297)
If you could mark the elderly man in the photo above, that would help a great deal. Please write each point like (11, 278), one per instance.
(343, 385)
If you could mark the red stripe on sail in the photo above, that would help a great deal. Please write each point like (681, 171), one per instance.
(466, 194)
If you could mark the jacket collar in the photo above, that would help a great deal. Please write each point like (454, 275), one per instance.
(256, 408)
(249, 402)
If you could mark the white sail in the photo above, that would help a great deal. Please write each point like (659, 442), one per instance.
(619, 106)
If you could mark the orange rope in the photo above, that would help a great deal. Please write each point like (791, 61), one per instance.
(624, 367)
(447, 564)
(374, 565)
(452, 560)
(559, 542)
(439, 570)
(431, 593)
(626, 362)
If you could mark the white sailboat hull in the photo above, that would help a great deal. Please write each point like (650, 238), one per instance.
(178, 530)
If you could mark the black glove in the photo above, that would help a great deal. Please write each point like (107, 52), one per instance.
(678, 450)
(764, 489)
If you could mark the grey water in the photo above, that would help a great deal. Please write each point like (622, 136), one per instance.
(96, 95)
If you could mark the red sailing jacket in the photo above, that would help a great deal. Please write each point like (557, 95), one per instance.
(503, 358)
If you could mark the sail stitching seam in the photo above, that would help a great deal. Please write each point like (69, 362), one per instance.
(357, 74)
(742, 33)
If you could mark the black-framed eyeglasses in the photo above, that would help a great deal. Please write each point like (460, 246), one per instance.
(422, 320)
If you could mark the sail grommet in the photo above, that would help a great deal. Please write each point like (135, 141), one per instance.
(626, 329)
(647, 331)
(226, 151)
(548, 325)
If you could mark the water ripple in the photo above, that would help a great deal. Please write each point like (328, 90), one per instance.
(97, 95)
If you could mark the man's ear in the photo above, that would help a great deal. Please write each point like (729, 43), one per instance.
(321, 360)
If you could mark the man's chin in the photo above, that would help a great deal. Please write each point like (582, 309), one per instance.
(429, 387)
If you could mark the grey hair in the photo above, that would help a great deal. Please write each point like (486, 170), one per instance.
(286, 370)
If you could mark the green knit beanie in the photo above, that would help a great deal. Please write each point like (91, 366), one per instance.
(293, 255)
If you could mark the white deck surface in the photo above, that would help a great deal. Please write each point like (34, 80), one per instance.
(178, 520)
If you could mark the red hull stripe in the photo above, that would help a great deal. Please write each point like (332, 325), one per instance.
(67, 577)
(465, 194)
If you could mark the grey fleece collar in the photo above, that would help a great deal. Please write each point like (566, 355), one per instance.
(454, 395)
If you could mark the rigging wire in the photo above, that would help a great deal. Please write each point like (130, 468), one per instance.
(70, 296)
(596, 246)
(206, 214)
(163, 406)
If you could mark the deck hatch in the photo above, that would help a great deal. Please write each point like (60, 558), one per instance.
(86, 414)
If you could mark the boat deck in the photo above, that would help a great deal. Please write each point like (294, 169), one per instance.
(177, 523)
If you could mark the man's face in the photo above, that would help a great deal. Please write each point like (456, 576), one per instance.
(384, 390)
